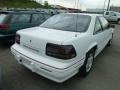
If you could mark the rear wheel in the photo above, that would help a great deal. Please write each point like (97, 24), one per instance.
(110, 41)
(119, 21)
(88, 64)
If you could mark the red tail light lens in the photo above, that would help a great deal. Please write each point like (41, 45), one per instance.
(60, 51)
(3, 26)
(17, 39)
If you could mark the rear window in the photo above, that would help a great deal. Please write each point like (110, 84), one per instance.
(2, 17)
(68, 22)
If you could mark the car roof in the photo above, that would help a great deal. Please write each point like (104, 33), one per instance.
(89, 14)
(23, 12)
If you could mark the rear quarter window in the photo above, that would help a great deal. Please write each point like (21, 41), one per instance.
(98, 27)
(104, 22)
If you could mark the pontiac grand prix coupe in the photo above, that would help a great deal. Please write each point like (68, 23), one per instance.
(63, 45)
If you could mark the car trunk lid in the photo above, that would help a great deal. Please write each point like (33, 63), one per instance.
(36, 38)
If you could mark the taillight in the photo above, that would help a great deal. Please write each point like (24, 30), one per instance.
(60, 51)
(17, 39)
(3, 26)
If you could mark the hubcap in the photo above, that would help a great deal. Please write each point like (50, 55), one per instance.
(89, 63)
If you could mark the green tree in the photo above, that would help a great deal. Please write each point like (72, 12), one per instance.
(46, 4)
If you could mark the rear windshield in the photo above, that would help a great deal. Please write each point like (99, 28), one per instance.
(2, 17)
(68, 22)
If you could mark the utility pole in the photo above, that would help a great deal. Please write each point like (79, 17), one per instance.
(108, 5)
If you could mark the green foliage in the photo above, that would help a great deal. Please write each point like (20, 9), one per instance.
(21, 4)
(46, 5)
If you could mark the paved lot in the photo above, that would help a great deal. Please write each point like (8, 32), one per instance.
(105, 75)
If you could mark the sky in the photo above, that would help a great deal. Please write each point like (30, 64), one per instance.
(84, 4)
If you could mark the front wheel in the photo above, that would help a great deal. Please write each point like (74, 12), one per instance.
(88, 64)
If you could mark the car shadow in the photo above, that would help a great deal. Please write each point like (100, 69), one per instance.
(4, 45)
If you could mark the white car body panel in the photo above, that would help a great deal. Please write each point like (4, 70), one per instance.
(44, 35)
(46, 67)
(33, 48)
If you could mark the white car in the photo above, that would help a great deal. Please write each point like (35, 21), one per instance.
(112, 16)
(63, 45)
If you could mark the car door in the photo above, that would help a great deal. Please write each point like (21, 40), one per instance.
(99, 35)
(106, 29)
(19, 21)
(113, 16)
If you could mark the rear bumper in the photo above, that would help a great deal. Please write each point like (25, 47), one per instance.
(54, 73)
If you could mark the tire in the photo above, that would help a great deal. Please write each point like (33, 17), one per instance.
(110, 41)
(88, 64)
(119, 21)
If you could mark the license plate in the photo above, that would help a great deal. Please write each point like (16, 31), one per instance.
(17, 57)
(26, 61)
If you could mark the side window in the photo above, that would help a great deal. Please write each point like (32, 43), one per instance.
(37, 18)
(112, 14)
(98, 27)
(104, 22)
(107, 13)
(20, 18)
